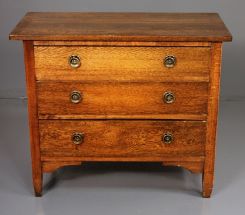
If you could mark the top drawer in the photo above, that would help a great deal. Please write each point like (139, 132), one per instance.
(122, 63)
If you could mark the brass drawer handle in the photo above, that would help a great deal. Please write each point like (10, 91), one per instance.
(74, 61)
(167, 138)
(169, 61)
(168, 97)
(77, 138)
(75, 97)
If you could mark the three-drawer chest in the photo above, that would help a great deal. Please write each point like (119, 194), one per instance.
(122, 87)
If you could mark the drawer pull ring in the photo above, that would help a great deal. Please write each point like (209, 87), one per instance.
(74, 61)
(169, 61)
(167, 138)
(75, 97)
(77, 138)
(168, 97)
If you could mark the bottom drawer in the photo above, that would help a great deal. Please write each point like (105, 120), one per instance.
(95, 139)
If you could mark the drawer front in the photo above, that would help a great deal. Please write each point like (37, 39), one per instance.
(122, 63)
(55, 98)
(115, 138)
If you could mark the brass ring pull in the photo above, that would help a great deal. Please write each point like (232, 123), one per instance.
(170, 61)
(168, 97)
(75, 97)
(77, 138)
(167, 138)
(74, 61)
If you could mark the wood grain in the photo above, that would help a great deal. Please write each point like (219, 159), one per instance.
(122, 79)
(125, 99)
(173, 158)
(116, 44)
(33, 117)
(193, 166)
(120, 139)
(213, 103)
(121, 27)
(166, 116)
(122, 63)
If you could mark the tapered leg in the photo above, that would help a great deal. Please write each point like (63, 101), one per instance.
(207, 182)
(38, 184)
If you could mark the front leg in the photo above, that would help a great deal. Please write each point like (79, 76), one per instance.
(207, 181)
(37, 177)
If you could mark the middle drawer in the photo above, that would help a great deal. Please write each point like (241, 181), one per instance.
(127, 98)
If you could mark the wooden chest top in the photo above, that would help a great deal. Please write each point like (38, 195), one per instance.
(102, 26)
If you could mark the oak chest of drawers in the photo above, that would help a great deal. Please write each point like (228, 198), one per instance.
(122, 87)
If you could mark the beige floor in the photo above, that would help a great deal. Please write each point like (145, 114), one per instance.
(120, 188)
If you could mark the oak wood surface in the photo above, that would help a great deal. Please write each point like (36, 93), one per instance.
(162, 158)
(121, 27)
(116, 44)
(166, 116)
(122, 138)
(125, 99)
(33, 117)
(122, 63)
(122, 79)
(213, 104)
(193, 166)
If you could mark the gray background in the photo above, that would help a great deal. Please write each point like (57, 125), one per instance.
(132, 189)
(12, 83)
